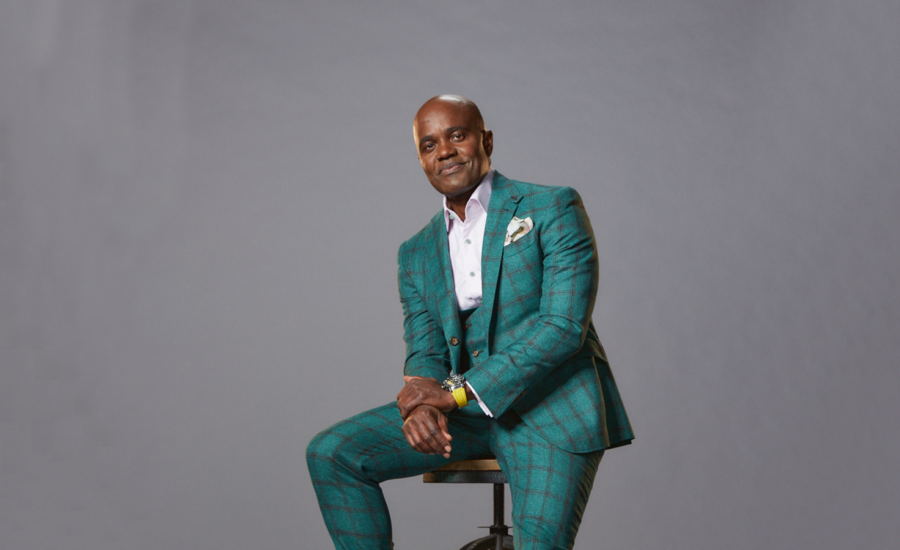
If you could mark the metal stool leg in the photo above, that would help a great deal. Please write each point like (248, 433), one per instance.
(499, 539)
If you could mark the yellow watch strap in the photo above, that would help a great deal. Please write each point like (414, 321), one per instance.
(460, 395)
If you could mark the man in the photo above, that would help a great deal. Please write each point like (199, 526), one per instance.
(498, 288)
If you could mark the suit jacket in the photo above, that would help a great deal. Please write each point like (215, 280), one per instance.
(542, 357)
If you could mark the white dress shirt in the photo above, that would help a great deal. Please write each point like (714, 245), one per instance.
(465, 241)
(464, 238)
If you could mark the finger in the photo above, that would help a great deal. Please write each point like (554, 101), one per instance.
(408, 405)
(406, 411)
(438, 442)
(433, 436)
(411, 403)
(427, 442)
(407, 400)
(403, 392)
(444, 423)
(403, 403)
(419, 437)
(414, 439)
(407, 433)
(418, 445)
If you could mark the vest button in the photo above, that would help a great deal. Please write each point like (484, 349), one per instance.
(475, 353)
(454, 341)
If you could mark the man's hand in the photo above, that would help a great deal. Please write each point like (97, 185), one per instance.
(426, 431)
(423, 391)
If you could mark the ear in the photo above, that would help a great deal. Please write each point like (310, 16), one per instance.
(487, 140)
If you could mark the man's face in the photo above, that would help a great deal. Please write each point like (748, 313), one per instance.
(453, 149)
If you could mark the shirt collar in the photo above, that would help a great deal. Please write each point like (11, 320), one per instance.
(481, 196)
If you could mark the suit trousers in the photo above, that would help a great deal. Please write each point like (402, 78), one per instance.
(549, 486)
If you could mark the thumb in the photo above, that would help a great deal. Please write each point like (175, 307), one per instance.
(408, 378)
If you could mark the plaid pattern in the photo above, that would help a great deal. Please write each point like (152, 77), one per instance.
(549, 486)
(541, 355)
(348, 460)
(540, 368)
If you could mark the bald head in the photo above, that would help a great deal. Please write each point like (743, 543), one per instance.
(454, 102)
(453, 146)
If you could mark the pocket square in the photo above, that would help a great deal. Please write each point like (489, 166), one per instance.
(517, 229)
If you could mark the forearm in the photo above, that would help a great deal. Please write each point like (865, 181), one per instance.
(435, 368)
(427, 391)
(426, 350)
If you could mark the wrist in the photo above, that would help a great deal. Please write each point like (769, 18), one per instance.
(450, 401)
(458, 389)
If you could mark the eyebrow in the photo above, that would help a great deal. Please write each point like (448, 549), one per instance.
(450, 130)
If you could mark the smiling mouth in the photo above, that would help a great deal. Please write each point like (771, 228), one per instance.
(451, 168)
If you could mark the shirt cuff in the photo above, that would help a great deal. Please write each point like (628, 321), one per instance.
(481, 404)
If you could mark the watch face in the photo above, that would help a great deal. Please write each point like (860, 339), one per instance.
(453, 382)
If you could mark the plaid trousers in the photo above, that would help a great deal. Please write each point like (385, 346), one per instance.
(549, 486)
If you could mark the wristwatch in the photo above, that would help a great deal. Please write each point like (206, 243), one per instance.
(456, 384)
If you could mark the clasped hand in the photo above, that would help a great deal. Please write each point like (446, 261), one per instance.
(422, 403)
(423, 391)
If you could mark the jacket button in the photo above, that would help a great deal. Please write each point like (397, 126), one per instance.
(454, 341)
(475, 353)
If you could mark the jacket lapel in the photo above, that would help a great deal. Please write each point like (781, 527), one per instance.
(442, 279)
(504, 202)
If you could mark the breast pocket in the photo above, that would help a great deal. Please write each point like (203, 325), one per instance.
(523, 259)
(520, 246)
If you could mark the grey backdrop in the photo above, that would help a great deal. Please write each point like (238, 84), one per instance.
(201, 203)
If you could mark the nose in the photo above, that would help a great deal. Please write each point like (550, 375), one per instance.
(445, 150)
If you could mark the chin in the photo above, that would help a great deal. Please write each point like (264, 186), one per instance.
(456, 190)
(459, 186)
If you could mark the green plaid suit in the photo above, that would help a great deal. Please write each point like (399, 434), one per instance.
(540, 369)
(544, 359)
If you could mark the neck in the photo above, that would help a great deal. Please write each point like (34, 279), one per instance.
(457, 204)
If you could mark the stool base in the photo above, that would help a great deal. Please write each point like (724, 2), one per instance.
(499, 539)
(491, 542)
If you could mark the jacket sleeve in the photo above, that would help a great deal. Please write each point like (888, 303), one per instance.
(427, 354)
(568, 290)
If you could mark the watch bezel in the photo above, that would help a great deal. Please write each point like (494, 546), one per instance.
(453, 382)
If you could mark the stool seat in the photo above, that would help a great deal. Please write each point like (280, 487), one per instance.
(484, 470)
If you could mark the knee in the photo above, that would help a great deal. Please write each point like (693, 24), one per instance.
(331, 449)
(347, 447)
(320, 457)
(322, 447)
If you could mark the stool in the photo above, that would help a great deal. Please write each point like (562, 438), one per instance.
(479, 471)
